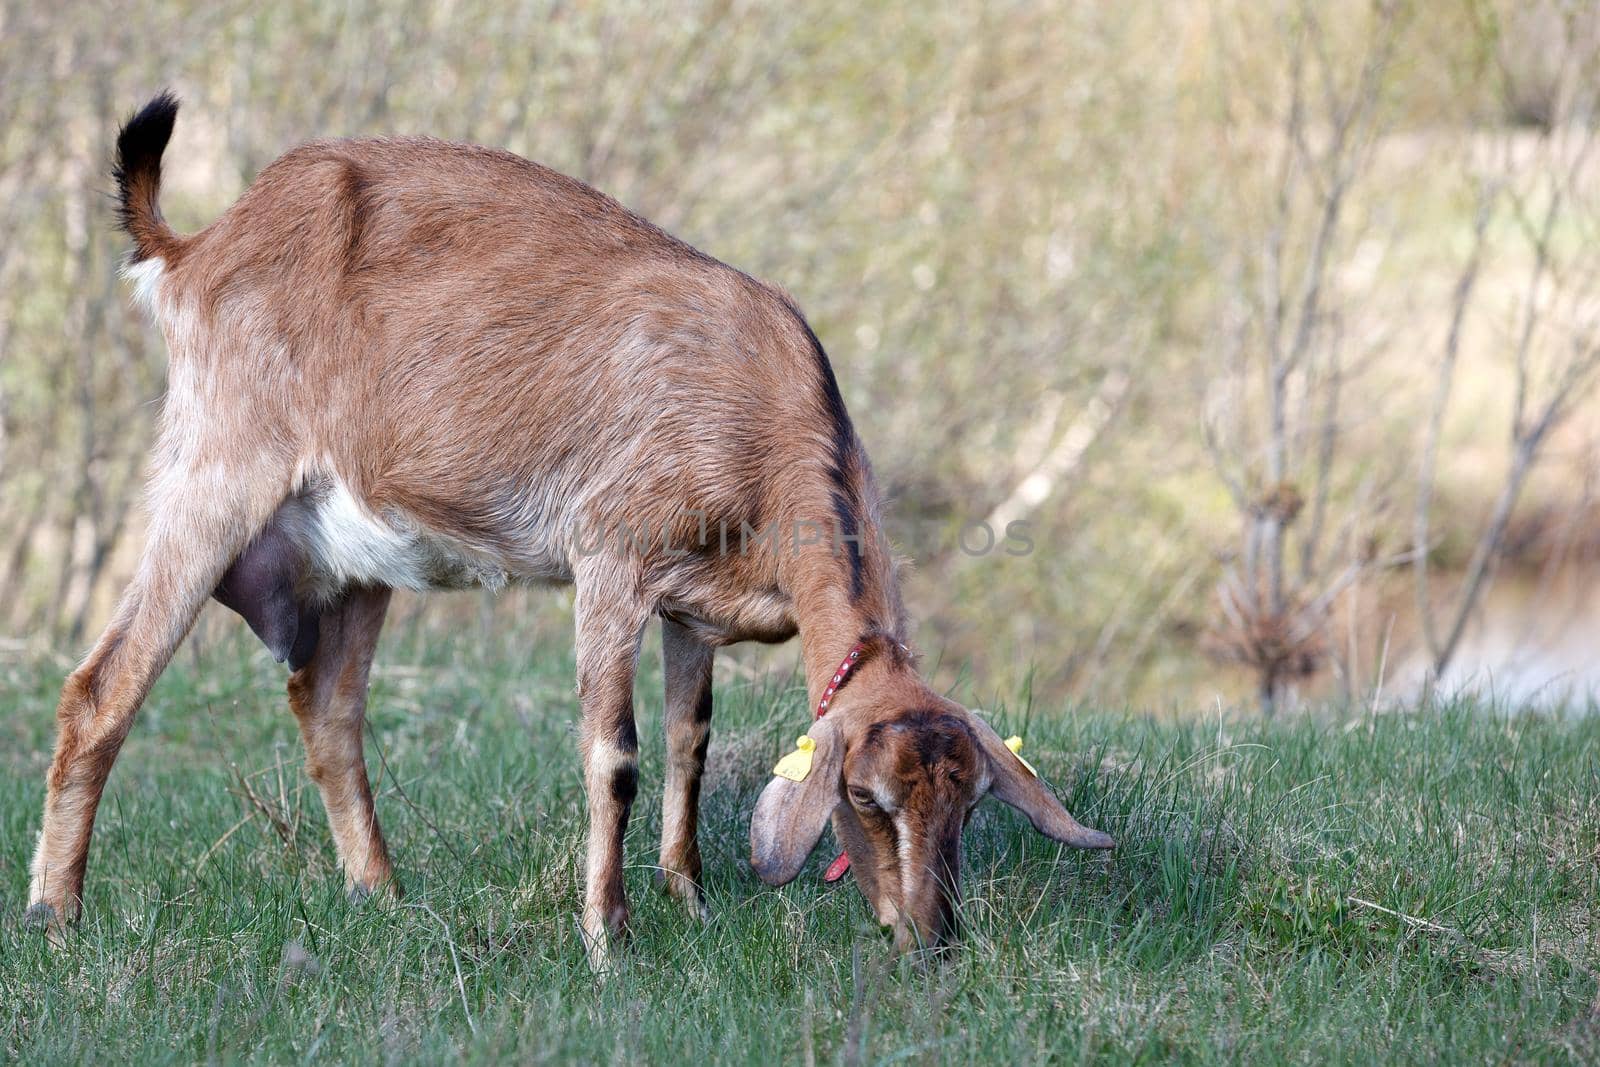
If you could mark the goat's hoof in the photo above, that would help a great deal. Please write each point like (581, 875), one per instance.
(600, 953)
(603, 943)
(49, 921)
(375, 891)
(686, 890)
(602, 957)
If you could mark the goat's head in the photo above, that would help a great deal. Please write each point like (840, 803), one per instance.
(899, 770)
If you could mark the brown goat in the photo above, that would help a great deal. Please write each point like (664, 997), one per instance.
(412, 364)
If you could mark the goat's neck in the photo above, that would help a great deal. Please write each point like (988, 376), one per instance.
(832, 622)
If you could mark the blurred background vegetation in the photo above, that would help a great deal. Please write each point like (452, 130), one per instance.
(1275, 322)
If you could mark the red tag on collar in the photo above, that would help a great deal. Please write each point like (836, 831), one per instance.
(836, 683)
(838, 868)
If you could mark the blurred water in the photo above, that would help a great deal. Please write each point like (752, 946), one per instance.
(1534, 642)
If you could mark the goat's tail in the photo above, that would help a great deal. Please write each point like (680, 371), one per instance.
(138, 172)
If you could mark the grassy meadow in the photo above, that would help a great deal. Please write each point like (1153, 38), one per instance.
(1340, 886)
(1206, 293)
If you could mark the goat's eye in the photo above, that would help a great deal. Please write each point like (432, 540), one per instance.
(861, 798)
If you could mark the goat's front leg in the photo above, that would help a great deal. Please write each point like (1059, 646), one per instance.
(686, 663)
(609, 626)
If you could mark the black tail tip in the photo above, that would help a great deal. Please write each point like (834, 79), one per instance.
(140, 143)
(144, 136)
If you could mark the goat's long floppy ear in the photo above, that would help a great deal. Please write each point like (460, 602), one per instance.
(790, 815)
(1018, 786)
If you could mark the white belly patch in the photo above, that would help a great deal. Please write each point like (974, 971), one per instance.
(346, 544)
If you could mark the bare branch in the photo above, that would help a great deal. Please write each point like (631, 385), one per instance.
(1461, 297)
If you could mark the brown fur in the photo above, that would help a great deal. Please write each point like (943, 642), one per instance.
(329, 699)
(486, 356)
(687, 667)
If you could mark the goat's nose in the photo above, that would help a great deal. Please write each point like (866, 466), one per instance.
(908, 939)
(934, 932)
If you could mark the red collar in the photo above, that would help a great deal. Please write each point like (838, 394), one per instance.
(836, 869)
(840, 675)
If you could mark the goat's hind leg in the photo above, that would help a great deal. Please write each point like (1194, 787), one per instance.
(329, 698)
(197, 529)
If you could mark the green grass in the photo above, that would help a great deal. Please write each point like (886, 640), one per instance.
(1334, 888)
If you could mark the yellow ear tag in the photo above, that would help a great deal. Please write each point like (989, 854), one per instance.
(797, 764)
(1014, 743)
